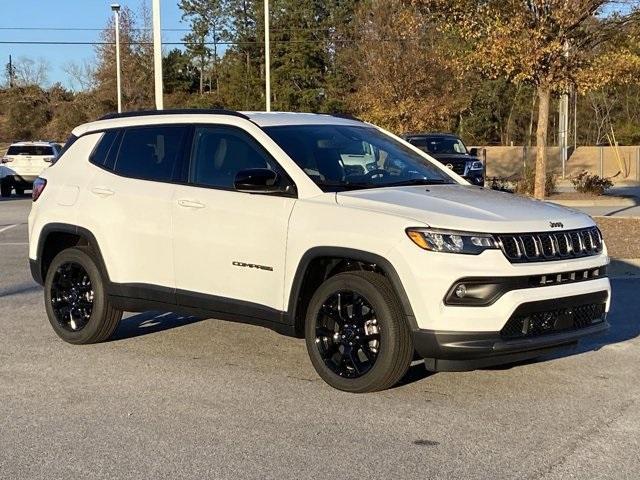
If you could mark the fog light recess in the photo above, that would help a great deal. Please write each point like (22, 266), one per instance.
(461, 290)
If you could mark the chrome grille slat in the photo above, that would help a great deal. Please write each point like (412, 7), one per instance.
(549, 246)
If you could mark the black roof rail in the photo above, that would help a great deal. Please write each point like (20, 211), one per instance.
(346, 116)
(180, 111)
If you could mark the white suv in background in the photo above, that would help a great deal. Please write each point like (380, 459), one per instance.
(258, 218)
(22, 164)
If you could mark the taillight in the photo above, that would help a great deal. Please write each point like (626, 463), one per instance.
(38, 188)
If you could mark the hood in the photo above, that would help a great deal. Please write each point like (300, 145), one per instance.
(466, 208)
(447, 157)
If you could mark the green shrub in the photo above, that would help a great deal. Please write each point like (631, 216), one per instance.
(500, 184)
(593, 184)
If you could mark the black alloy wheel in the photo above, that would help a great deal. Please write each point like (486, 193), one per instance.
(72, 296)
(356, 332)
(347, 334)
(76, 297)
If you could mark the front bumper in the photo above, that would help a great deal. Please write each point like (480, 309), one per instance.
(475, 177)
(460, 351)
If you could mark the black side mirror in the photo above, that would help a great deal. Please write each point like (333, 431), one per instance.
(477, 152)
(259, 180)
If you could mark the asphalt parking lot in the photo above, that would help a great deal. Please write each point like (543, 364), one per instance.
(173, 397)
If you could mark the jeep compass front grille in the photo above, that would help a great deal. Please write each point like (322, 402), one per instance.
(540, 247)
(553, 321)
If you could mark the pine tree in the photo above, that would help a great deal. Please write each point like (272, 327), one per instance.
(207, 23)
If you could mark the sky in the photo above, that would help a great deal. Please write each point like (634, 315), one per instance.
(74, 14)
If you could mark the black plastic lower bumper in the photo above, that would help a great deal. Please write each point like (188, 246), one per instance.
(20, 181)
(459, 351)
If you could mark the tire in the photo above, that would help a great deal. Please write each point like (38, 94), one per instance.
(5, 189)
(394, 349)
(91, 324)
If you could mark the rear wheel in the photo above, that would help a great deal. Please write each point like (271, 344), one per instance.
(76, 299)
(356, 334)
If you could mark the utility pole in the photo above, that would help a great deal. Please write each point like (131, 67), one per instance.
(10, 72)
(157, 55)
(116, 19)
(563, 130)
(563, 123)
(575, 120)
(267, 59)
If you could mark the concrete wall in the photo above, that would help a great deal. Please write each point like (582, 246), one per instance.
(508, 161)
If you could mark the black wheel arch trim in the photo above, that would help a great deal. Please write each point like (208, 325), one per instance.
(353, 254)
(36, 265)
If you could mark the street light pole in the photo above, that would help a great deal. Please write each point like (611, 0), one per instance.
(267, 59)
(116, 20)
(157, 55)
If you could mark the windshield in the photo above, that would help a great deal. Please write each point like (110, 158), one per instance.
(341, 157)
(30, 150)
(439, 145)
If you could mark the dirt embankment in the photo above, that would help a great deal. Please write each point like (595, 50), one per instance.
(622, 236)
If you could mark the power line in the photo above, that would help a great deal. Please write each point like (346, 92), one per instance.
(81, 29)
(78, 29)
(243, 43)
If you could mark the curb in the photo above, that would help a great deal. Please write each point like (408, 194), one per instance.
(622, 202)
(624, 268)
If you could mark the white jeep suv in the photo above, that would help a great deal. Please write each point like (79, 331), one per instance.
(257, 218)
(22, 164)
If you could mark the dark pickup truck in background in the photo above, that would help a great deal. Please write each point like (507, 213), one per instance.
(448, 149)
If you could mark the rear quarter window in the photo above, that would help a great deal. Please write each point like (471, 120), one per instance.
(105, 150)
(150, 153)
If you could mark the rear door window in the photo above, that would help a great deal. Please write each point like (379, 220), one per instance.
(151, 153)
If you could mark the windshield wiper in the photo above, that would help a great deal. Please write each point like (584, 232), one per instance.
(345, 185)
(418, 181)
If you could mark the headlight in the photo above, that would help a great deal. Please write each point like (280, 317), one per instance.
(450, 241)
(476, 165)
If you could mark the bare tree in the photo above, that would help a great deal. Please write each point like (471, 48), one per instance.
(29, 72)
(81, 75)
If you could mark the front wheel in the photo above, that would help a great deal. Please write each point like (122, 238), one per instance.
(76, 299)
(356, 334)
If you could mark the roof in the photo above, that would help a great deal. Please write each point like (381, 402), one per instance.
(38, 143)
(262, 119)
(273, 119)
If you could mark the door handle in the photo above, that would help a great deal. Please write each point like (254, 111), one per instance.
(102, 191)
(190, 203)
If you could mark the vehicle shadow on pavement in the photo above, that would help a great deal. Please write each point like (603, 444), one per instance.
(151, 322)
(414, 374)
(14, 198)
(19, 289)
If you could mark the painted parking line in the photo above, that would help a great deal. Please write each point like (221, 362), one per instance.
(9, 227)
